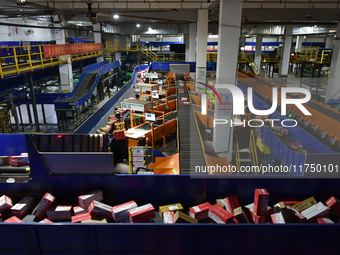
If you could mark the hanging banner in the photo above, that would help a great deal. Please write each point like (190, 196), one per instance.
(70, 49)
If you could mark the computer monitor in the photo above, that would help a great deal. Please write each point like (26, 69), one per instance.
(160, 82)
(155, 95)
(150, 117)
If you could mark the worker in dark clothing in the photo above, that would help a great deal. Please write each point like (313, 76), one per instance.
(118, 143)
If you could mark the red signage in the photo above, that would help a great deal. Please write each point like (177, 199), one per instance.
(70, 49)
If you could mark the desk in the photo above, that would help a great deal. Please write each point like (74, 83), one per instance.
(137, 135)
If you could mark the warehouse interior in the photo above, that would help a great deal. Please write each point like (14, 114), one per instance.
(169, 111)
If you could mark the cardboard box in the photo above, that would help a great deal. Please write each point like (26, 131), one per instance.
(257, 219)
(324, 221)
(334, 205)
(169, 217)
(181, 217)
(5, 203)
(81, 217)
(220, 202)
(60, 213)
(45, 221)
(29, 218)
(95, 221)
(200, 212)
(23, 207)
(44, 204)
(85, 201)
(281, 208)
(261, 202)
(240, 216)
(219, 215)
(316, 211)
(170, 208)
(4, 160)
(142, 214)
(79, 210)
(20, 160)
(120, 213)
(13, 220)
(277, 218)
(231, 203)
(296, 215)
(305, 204)
(100, 210)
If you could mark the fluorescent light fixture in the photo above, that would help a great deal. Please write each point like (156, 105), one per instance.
(138, 25)
(116, 16)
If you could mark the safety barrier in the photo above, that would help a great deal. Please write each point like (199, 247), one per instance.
(19, 59)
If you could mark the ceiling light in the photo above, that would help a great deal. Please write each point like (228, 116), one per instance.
(138, 25)
(150, 29)
(116, 16)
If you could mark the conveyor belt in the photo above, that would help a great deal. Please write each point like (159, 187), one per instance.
(324, 110)
(190, 150)
(84, 88)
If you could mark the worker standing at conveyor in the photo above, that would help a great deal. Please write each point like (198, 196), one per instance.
(118, 143)
(137, 96)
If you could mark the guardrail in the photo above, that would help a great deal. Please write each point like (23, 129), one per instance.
(17, 59)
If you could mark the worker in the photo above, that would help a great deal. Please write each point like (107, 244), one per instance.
(118, 143)
(137, 96)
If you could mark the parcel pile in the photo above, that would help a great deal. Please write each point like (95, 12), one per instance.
(91, 209)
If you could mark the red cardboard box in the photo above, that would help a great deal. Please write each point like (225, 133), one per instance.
(142, 214)
(85, 201)
(169, 217)
(13, 220)
(281, 208)
(200, 212)
(318, 210)
(277, 218)
(257, 219)
(241, 216)
(121, 212)
(333, 204)
(43, 205)
(45, 221)
(79, 210)
(23, 207)
(5, 203)
(324, 220)
(219, 215)
(20, 160)
(231, 203)
(81, 217)
(60, 213)
(296, 215)
(261, 202)
(100, 210)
